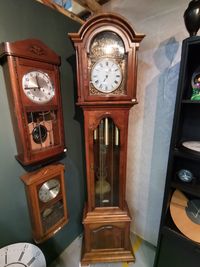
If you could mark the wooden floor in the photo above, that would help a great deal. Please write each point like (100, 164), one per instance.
(144, 253)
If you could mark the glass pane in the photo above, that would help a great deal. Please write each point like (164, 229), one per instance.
(107, 44)
(43, 129)
(107, 51)
(52, 215)
(106, 163)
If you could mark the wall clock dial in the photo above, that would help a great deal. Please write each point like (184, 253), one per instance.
(38, 86)
(22, 254)
(49, 190)
(32, 77)
(46, 197)
(106, 75)
(106, 54)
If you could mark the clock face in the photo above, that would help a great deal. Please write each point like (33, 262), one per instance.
(38, 87)
(106, 75)
(22, 254)
(49, 190)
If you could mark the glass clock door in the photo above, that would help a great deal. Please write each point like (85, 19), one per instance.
(106, 163)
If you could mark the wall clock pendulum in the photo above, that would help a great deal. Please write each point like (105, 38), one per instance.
(46, 198)
(31, 72)
(106, 48)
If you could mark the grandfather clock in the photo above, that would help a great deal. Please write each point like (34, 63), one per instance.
(106, 47)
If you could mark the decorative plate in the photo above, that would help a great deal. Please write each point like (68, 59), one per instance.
(185, 175)
(192, 145)
(22, 254)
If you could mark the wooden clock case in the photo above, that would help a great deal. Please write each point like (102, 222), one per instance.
(45, 226)
(19, 58)
(107, 227)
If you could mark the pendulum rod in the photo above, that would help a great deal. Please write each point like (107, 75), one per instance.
(112, 164)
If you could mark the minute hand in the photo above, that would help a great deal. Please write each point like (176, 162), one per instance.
(37, 81)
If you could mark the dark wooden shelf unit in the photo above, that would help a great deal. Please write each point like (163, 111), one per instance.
(174, 249)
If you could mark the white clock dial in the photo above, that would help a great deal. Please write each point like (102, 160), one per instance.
(22, 254)
(38, 87)
(106, 75)
(49, 190)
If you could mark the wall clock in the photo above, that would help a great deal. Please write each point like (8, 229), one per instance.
(46, 197)
(32, 79)
(22, 254)
(106, 48)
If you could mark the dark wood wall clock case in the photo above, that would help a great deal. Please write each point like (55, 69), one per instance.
(45, 190)
(31, 72)
(179, 236)
(106, 48)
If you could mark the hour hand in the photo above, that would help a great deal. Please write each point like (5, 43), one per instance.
(32, 88)
(105, 78)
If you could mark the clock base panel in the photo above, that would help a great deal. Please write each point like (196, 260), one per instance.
(101, 256)
(107, 236)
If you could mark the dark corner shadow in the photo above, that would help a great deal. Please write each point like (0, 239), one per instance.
(78, 112)
(78, 116)
(50, 249)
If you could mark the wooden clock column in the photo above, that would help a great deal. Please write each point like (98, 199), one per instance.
(106, 48)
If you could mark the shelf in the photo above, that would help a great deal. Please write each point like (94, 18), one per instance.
(178, 152)
(166, 230)
(170, 228)
(188, 101)
(175, 248)
(172, 233)
(192, 188)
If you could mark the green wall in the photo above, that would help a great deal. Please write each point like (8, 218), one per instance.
(22, 19)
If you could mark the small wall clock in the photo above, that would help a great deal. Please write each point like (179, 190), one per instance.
(46, 200)
(32, 79)
(22, 254)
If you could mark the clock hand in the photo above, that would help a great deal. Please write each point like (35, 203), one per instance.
(37, 82)
(53, 187)
(30, 88)
(105, 78)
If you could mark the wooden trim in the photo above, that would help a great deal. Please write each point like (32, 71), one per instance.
(83, 4)
(91, 5)
(62, 10)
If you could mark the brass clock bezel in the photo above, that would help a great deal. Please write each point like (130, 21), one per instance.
(38, 86)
